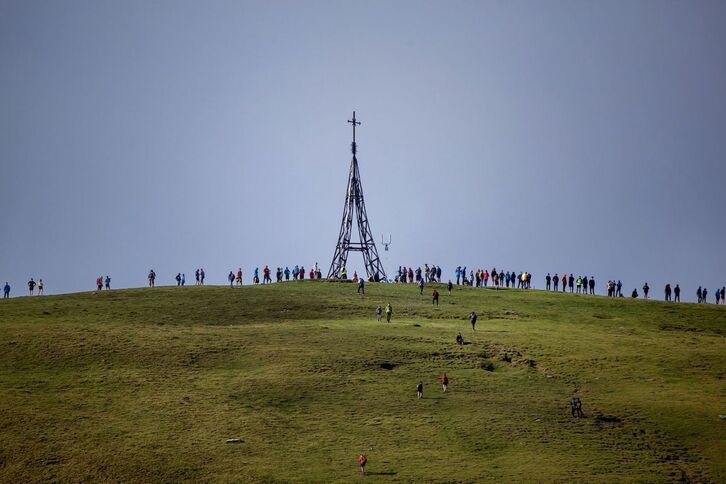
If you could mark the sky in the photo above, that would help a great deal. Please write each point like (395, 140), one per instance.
(562, 136)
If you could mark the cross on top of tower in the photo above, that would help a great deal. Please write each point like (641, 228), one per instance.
(353, 146)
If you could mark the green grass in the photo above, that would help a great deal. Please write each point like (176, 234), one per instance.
(147, 385)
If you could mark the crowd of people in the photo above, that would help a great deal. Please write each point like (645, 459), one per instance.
(409, 275)
(421, 276)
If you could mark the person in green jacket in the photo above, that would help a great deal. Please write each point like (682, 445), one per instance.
(578, 283)
(389, 311)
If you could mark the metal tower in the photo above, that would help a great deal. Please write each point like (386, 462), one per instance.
(354, 202)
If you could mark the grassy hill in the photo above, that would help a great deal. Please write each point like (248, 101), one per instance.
(147, 385)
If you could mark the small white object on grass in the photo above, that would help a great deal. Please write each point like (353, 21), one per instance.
(234, 441)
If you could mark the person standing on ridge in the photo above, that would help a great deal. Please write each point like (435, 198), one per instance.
(389, 312)
(668, 292)
(230, 278)
(287, 273)
(31, 286)
(571, 282)
(677, 293)
(699, 294)
(201, 276)
(196, 274)
(548, 281)
(184, 279)
(107, 281)
(239, 276)
(40, 287)
(704, 294)
(99, 283)
(178, 279)
(592, 285)
(646, 288)
(6, 291)
(619, 288)
(555, 282)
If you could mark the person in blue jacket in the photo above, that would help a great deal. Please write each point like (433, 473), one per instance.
(6, 291)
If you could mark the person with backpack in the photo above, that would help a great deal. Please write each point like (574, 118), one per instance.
(449, 286)
(379, 312)
(677, 293)
(6, 291)
(472, 318)
(646, 288)
(151, 278)
(287, 273)
(435, 298)
(362, 461)
(419, 390)
(444, 382)
(389, 312)
(31, 285)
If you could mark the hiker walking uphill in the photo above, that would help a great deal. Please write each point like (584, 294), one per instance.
(420, 287)
(435, 298)
(449, 286)
(361, 286)
(472, 318)
(362, 461)
(379, 312)
(576, 407)
(419, 390)
(444, 382)
(389, 312)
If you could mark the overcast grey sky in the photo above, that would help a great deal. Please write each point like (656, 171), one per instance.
(586, 137)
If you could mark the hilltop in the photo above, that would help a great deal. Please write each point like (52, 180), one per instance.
(148, 384)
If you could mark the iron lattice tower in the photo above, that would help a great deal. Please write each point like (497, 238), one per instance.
(354, 203)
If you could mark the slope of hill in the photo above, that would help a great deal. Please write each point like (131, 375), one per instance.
(148, 384)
